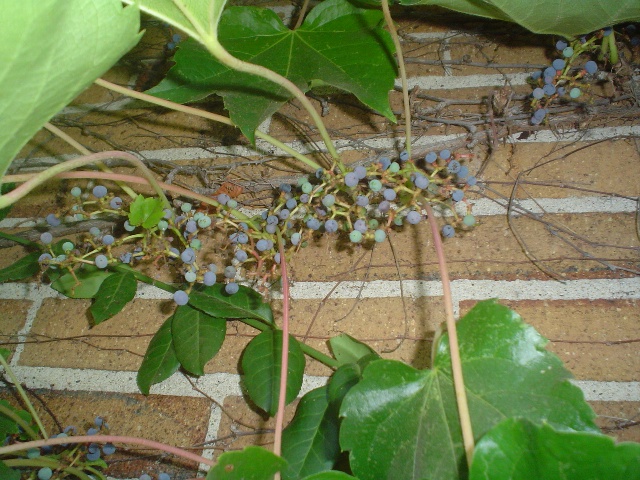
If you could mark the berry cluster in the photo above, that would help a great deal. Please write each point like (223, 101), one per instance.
(362, 204)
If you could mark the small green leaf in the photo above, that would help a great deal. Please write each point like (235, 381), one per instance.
(160, 361)
(87, 285)
(51, 51)
(197, 337)
(261, 363)
(246, 303)
(347, 349)
(338, 44)
(5, 353)
(26, 267)
(400, 422)
(146, 211)
(7, 473)
(114, 293)
(252, 463)
(310, 442)
(6, 188)
(518, 449)
(342, 380)
(8, 426)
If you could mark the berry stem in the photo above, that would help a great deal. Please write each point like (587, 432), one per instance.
(456, 364)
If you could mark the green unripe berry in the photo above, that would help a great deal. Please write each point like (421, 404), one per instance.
(76, 192)
(163, 225)
(469, 220)
(67, 246)
(190, 277)
(355, 236)
(204, 221)
(306, 187)
(375, 185)
(186, 207)
(196, 244)
(379, 236)
(394, 167)
(231, 203)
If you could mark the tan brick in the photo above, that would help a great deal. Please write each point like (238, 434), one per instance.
(620, 420)
(157, 417)
(584, 334)
(13, 318)
(116, 344)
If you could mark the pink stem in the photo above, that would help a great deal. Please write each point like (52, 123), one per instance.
(284, 367)
(106, 439)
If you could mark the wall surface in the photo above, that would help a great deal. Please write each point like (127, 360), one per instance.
(566, 259)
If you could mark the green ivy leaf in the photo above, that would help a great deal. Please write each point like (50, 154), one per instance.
(261, 363)
(114, 293)
(146, 211)
(197, 337)
(89, 278)
(310, 442)
(338, 44)
(246, 303)
(8, 473)
(518, 449)
(252, 463)
(51, 51)
(402, 422)
(560, 17)
(347, 349)
(160, 361)
(26, 267)
(330, 475)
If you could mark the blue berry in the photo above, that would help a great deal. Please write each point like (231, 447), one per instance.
(463, 172)
(230, 288)
(591, 67)
(126, 257)
(45, 257)
(350, 180)
(230, 272)
(384, 206)
(291, 203)
(271, 229)
(46, 238)
(262, 245)
(430, 157)
(538, 93)
(384, 162)
(101, 261)
(331, 226)
(389, 194)
(561, 44)
(181, 297)
(549, 89)
(421, 182)
(188, 256)
(108, 239)
(413, 217)
(454, 166)
(457, 195)
(549, 72)
(540, 114)
(53, 220)
(272, 220)
(362, 201)
(145, 476)
(223, 198)
(360, 225)
(99, 191)
(404, 156)
(115, 203)
(209, 278)
(607, 31)
(471, 181)
(304, 198)
(276, 258)
(558, 64)
(360, 172)
(285, 187)
(313, 224)
(165, 476)
(109, 449)
(448, 231)
(284, 214)
(445, 154)
(191, 226)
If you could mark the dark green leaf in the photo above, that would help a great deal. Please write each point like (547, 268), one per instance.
(338, 45)
(252, 463)
(5, 353)
(7, 473)
(85, 283)
(146, 211)
(261, 363)
(310, 442)
(518, 449)
(6, 188)
(197, 337)
(8, 426)
(347, 349)
(51, 51)
(160, 361)
(330, 475)
(26, 267)
(246, 303)
(400, 422)
(342, 380)
(114, 293)
(561, 17)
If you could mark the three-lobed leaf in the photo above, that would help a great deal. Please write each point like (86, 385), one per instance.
(338, 44)
(25, 267)
(197, 337)
(400, 422)
(160, 360)
(51, 51)
(261, 364)
(560, 17)
(518, 449)
(114, 293)
(246, 303)
(146, 211)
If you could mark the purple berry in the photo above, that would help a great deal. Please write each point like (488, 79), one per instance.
(181, 297)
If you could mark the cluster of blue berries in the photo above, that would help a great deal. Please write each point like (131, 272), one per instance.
(362, 203)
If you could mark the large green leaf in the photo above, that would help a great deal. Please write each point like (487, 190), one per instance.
(7, 473)
(338, 44)
(518, 449)
(261, 362)
(330, 475)
(310, 442)
(26, 267)
(114, 293)
(252, 463)
(562, 17)
(84, 283)
(51, 51)
(160, 361)
(197, 337)
(246, 303)
(400, 422)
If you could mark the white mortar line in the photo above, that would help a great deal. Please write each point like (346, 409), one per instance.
(481, 207)
(481, 80)
(215, 418)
